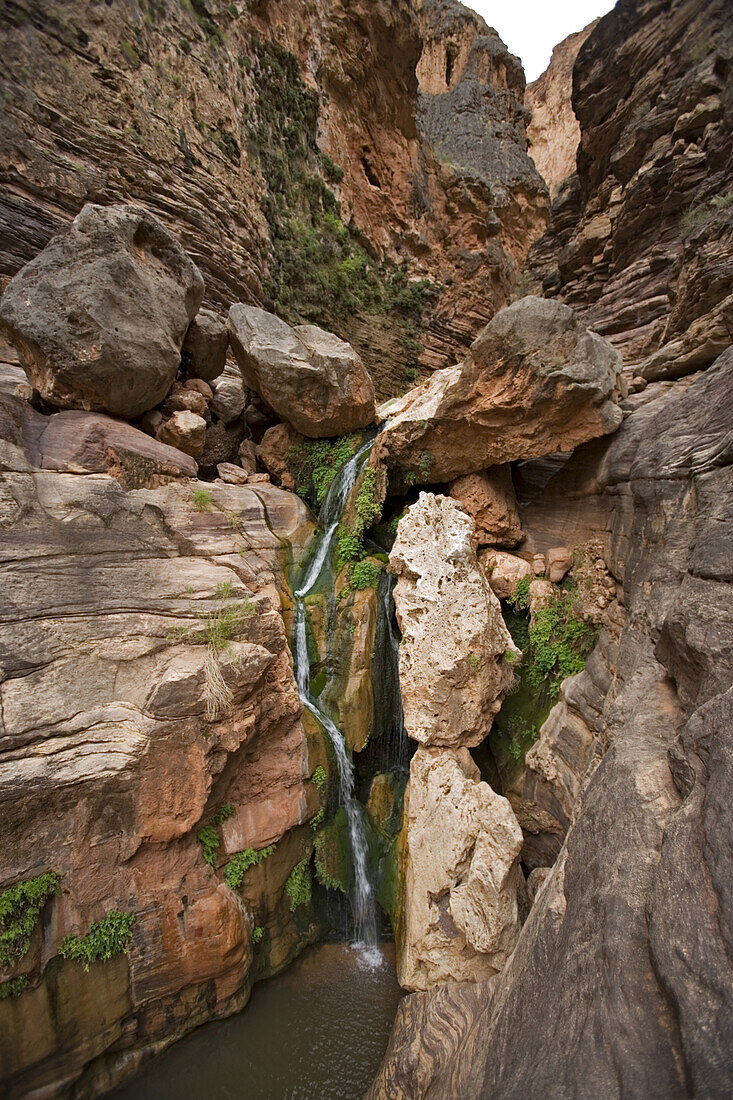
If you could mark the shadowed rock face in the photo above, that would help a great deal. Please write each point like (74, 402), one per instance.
(642, 241)
(633, 927)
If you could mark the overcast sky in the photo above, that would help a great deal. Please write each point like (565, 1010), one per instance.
(531, 28)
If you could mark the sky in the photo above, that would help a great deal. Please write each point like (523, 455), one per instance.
(531, 28)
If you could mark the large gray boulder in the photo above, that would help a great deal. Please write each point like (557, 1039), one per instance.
(99, 316)
(205, 346)
(307, 376)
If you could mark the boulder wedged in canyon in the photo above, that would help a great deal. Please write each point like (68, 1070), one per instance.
(535, 381)
(307, 376)
(640, 890)
(461, 919)
(100, 315)
(453, 671)
(205, 346)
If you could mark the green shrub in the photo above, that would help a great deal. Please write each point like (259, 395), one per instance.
(315, 463)
(105, 939)
(257, 934)
(368, 508)
(560, 642)
(348, 547)
(208, 838)
(520, 597)
(13, 987)
(319, 777)
(240, 863)
(365, 574)
(20, 908)
(223, 812)
(298, 887)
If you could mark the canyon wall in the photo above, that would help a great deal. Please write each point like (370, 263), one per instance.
(625, 957)
(267, 167)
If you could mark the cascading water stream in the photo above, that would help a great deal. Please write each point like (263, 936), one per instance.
(363, 900)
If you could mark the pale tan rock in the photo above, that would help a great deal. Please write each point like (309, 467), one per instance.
(559, 561)
(229, 395)
(463, 841)
(258, 479)
(554, 132)
(452, 672)
(489, 499)
(534, 382)
(503, 571)
(541, 593)
(539, 565)
(231, 474)
(184, 430)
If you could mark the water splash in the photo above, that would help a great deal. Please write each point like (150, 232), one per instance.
(363, 899)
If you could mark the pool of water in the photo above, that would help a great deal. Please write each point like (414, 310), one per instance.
(316, 1032)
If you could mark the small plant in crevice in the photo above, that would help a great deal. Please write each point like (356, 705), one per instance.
(257, 934)
(105, 939)
(298, 886)
(20, 909)
(208, 838)
(223, 812)
(365, 574)
(319, 777)
(202, 500)
(218, 628)
(239, 864)
(13, 987)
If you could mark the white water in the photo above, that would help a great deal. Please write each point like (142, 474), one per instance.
(363, 901)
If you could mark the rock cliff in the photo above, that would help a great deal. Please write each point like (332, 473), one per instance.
(189, 110)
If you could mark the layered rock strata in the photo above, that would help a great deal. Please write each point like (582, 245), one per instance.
(641, 239)
(639, 755)
(147, 682)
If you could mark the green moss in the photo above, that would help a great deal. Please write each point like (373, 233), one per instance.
(105, 939)
(319, 777)
(298, 887)
(20, 908)
(368, 507)
(14, 987)
(349, 547)
(257, 934)
(473, 660)
(208, 838)
(520, 597)
(333, 859)
(240, 863)
(315, 463)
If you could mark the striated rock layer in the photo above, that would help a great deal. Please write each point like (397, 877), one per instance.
(641, 241)
(146, 682)
(164, 109)
(636, 765)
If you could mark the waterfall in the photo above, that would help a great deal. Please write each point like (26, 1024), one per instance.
(363, 899)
